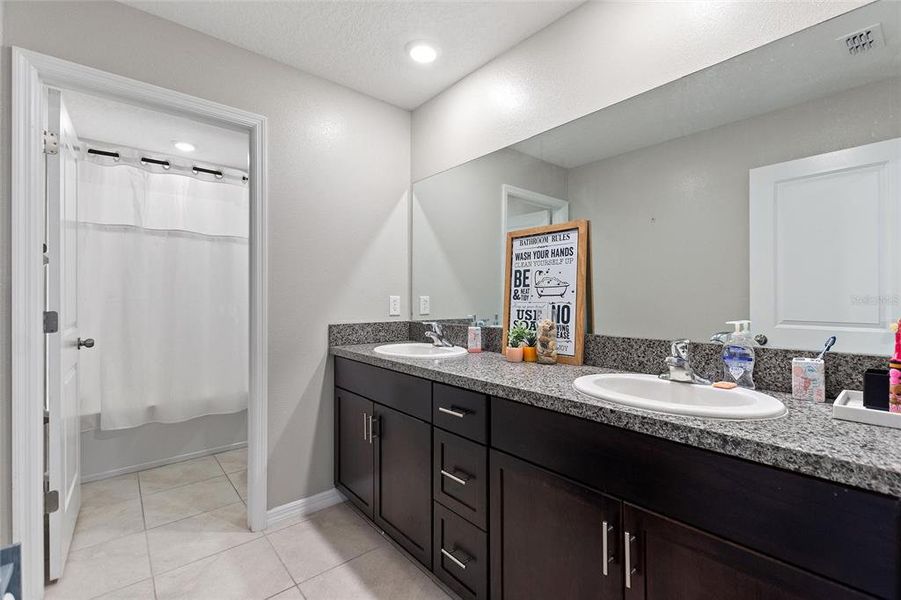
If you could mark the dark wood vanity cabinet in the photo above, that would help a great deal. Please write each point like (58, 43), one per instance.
(550, 537)
(513, 502)
(667, 560)
(383, 451)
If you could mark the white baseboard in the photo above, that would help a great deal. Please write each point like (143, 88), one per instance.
(303, 507)
(162, 462)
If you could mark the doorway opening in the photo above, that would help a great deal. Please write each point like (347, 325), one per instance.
(148, 289)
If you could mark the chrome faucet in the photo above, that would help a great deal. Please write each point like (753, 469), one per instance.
(679, 365)
(437, 335)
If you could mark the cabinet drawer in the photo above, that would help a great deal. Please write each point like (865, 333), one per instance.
(460, 411)
(408, 394)
(461, 554)
(460, 476)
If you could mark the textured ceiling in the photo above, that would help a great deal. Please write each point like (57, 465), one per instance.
(361, 44)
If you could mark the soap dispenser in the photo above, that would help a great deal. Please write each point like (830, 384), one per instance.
(738, 355)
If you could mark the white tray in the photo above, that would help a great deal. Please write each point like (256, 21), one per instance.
(849, 407)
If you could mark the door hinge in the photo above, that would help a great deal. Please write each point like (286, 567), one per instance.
(51, 501)
(51, 142)
(51, 321)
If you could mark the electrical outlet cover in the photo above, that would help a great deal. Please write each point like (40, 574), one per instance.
(425, 305)
(393, 306)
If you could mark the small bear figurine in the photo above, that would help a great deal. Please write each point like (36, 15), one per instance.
(547, 342)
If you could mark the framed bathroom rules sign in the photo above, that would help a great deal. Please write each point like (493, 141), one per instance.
(546, 277)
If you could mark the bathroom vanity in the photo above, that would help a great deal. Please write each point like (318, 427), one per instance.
(508, 484)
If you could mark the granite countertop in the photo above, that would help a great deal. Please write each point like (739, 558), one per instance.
(806, 440)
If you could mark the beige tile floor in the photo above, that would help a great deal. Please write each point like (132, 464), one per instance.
(179, 531)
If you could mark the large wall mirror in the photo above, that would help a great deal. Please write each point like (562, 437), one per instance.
(766, 187)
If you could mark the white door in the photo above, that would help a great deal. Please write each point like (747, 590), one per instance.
(824, 249)
(63, 432)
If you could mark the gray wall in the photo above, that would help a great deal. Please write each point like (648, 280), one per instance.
(669, 223)
(110, 453)
(457, 242)
(339, 171)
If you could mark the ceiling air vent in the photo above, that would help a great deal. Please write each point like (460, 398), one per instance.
(864, 40)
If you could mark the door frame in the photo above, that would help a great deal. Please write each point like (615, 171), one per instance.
(31, 74)
(559, 210)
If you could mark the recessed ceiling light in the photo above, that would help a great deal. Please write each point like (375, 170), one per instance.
(184, 146)
(422, 52)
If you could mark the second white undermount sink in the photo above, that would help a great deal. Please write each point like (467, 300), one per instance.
(420, 350)
(652, 393)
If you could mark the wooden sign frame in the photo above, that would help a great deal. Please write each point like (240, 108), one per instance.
(581, 292)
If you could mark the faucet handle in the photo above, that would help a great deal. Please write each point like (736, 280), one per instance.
(679, 349)
(436, 327)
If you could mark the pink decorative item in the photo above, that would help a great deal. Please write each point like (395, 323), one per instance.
(894, 373)
(513, 354)
(474, 339)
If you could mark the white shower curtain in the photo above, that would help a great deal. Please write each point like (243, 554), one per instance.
(163, 289)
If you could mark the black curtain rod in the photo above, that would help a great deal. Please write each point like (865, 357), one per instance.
(103, 153)
(197, 169)
(154, 161)
(163, 163)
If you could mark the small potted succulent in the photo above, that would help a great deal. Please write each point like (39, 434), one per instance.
(529, 351)
(516, 339)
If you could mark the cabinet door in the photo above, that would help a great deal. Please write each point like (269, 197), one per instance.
(403, 483)
(551, 538)
(670, 561)
(354, 448)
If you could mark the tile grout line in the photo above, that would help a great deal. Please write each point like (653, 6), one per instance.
(235, 487)
(146, 537)
(119, 589)
(197, 560)
(182, 485)
(332, 568)
(280, 560)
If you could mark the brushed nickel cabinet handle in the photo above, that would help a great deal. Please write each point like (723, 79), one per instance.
(607, 529)
(455, 560)
(365, 425)
(454, 413)
(630, 570)
(456, 478)
(373, 421)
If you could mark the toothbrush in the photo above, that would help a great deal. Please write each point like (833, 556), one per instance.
(831, 342)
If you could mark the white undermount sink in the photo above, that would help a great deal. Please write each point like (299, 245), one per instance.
(652, 393)
(420, 350)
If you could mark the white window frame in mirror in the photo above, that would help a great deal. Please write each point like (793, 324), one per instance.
(559, 208)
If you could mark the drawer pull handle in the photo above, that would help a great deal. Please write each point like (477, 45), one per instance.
(454, 413)
(606, 545)
(365, 425)
(630, 570)
(460, 477)
(456, 561)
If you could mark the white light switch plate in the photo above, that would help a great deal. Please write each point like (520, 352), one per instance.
(393, 306)
(425, 305)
